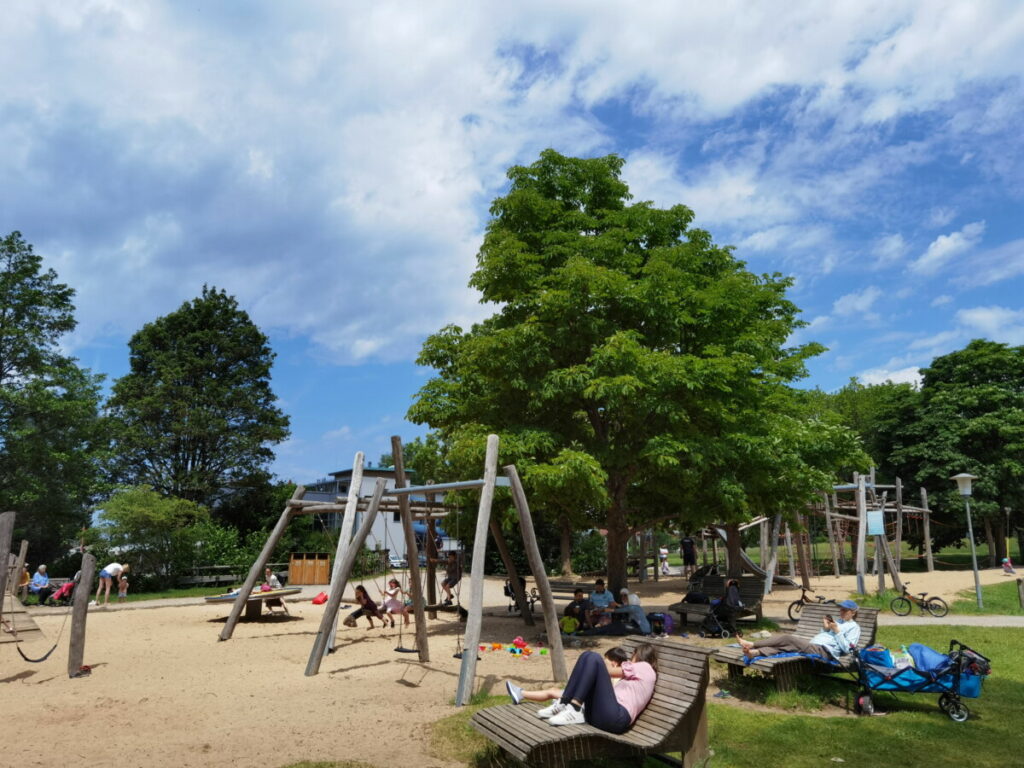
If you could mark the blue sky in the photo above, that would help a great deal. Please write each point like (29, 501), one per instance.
(331, 165)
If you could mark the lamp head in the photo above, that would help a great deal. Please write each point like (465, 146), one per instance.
(963, 483)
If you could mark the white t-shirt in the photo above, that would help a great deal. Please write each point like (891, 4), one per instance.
(114, 569)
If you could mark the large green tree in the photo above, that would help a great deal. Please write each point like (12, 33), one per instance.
(52, 438)
(970, 419)
(630, 360)
(197, 416)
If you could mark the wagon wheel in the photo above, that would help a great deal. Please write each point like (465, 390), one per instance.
(945, 700)
(958, 712)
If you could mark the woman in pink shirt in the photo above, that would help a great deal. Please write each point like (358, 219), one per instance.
(610, 707)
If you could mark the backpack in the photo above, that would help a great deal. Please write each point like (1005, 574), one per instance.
(661, 623)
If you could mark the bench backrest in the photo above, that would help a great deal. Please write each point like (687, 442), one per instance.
(682, 681)
(751, 587)
(812, 614)
(564, 590)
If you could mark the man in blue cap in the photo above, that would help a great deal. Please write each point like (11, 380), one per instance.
(836, 639)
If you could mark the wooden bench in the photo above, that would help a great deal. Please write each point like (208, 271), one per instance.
(786, 670)
(751, 594)
(565, 590)
(674, 721)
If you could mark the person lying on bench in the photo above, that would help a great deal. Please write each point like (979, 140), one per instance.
(590, 696)
(836, 639)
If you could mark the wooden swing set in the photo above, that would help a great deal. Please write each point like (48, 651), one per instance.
(351, 543)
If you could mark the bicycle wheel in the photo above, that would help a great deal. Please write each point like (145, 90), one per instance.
(794, 610)
(937, 607)
(900, 606)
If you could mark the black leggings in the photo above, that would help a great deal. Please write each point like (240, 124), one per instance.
(591, 684)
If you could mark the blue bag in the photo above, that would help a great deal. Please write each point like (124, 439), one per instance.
(927, 659)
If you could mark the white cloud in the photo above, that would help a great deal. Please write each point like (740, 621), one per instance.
(996, 265)
(944, 248)
(941, 216)
(889, 250)
(857, 303)
(941, 300)
(909, 375)
(995, 323)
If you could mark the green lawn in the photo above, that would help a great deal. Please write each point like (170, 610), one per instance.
(999, 599)
(915, 733)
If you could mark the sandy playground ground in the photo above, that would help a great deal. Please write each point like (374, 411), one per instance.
(165, 691)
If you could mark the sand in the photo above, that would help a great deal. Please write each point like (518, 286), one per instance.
(165, 691)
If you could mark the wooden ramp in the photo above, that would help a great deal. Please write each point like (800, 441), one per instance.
(14, 613)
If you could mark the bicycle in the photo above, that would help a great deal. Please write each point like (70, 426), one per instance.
(797, 605)
(902, 605)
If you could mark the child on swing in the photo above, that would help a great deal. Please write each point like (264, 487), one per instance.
(393, 602)
(366, 608)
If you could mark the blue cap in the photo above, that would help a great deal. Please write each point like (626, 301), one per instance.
(848, 605)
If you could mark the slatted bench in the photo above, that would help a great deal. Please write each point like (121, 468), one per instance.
(674, 721)
(564, 590)
(787, 670)
(751, 593)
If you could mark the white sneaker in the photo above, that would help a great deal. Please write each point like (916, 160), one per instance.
(568, 716)
(551, 711)
(514, 691)
(92, 602)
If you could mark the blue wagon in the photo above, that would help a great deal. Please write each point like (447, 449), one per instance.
(953, 675)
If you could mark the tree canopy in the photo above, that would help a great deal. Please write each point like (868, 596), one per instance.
(197, 416)
(53, 440)
(632, 367)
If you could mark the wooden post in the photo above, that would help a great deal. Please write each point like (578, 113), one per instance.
(773, 559)
(257, 567)
(879, 568)
(79, 614)
(831, 537)
(1020, 591)
(898, 554)
(330, 617)
(345, 535)
(764, 542)
(789, 552)
(862, 532)
(471, 640)
(929, 562)
(412, 552)
(513, 575)
(805, 579)
(893, 571)
(703, 549)
(431, 564)
(641, 568)
(6, 533)
(19, 568)
(714, 547)
(558, 670)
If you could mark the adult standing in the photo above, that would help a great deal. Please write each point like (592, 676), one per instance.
(688, 549)
(106, 581)
(40, 585)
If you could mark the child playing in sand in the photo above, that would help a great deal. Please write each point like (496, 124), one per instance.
(393, 602)
(1008, 567)
(122, 589)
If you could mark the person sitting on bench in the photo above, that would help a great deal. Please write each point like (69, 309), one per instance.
(601, 604)
(834, 641)
(591, 697)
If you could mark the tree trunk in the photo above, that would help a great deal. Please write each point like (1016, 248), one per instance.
(618, 538)
(991, 542)
(565, 545)
(733, 547)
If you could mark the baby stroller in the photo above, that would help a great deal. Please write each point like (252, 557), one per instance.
(65, 591)
(531, 595)
(720, 621)
(958, 673)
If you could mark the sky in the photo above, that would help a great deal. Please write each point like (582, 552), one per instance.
(331, 165)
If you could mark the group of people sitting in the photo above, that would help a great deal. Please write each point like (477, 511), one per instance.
(596, 613)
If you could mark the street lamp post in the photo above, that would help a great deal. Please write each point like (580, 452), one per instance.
(963, 482)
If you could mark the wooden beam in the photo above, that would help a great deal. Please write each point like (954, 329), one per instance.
(257, 567)
(898, 544)
(6, 533)
(471, 640)
(862, 531)
(79, 615)
(805, 577)
(929, 562)
(411, 553)
(19, 567)
(558, 669)
(513, 575)
(330, 617)
(355, 487)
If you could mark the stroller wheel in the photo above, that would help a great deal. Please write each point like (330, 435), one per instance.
(725, 633)
(958, 712)
(865, 705)
(702, 633)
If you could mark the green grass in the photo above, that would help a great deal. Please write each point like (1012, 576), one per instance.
(998, 599)
(915, 734)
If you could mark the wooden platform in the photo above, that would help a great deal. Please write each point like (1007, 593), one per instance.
(256, 600)
(14, 613)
